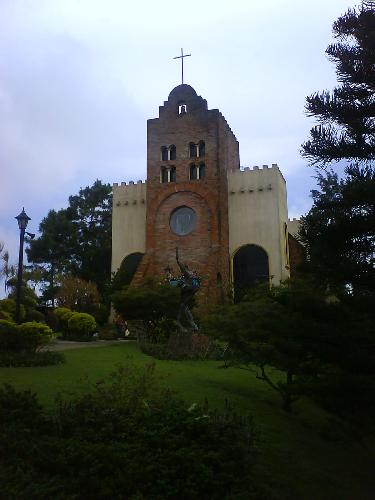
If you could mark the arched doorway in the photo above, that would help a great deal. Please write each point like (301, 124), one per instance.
(250, 267)
(128, 268)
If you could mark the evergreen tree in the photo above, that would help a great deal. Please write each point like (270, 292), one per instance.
(76, 240)
(339, 230)
(347, 114)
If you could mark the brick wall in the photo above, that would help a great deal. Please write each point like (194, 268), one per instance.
(206, 249)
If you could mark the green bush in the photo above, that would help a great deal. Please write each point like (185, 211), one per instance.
(100, 313)
(63, 315)
(34, 335)
(5, 315)
(108, 332)
(81, 326)
(34, 315)
(19, 343)
(9, 306)
(126, 438)
(9, 336)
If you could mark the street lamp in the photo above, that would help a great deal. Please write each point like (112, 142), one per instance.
(22, 220)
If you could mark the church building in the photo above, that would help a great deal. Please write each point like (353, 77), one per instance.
(229, 223)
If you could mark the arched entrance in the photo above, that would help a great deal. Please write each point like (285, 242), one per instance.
(128, 268)
(250, 267)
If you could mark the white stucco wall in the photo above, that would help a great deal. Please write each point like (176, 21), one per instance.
(128, 221)
(257, 214)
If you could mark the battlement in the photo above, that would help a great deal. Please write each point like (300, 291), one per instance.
(256, 167)
(294, 225)
(133, 193)
(131, 183)
(254, 179)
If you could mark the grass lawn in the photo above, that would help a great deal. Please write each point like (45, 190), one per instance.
(292, 449)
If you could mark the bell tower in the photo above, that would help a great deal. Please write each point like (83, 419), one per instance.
(189, 152)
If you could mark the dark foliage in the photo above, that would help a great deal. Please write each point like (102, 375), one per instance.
(323, 347)
(125, 439)
(347, 114)
(339, 230)
(155, 303)
(76, 240)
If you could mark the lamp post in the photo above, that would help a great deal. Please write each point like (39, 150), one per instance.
(22, 220)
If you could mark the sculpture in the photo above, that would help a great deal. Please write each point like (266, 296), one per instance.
(189, 284)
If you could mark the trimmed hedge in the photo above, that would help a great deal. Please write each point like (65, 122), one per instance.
(19, 344)
(63, 315)
(81, 326)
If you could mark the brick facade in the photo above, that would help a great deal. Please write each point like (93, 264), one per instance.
(206, 248)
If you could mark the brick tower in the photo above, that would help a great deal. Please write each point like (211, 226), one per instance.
(189, 152)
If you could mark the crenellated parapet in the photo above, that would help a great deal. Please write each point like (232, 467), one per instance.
(254, 180)
(131, 193)
(294, 225)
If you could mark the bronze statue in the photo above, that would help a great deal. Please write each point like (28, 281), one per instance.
(189, 283)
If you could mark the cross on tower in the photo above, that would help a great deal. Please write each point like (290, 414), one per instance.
(182, 62)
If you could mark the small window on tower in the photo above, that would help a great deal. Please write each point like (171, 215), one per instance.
(193, 172)
(192, 150)
(164, 174)
(202, 171)
(286, 245)
(172, 152)
(182, 108)
(172, 174)
(201, 148)
(164, 153)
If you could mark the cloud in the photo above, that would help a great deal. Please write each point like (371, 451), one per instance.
(78, 80)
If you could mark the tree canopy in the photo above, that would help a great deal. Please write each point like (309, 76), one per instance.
(76, 240)
(346, 115)
(339, 230)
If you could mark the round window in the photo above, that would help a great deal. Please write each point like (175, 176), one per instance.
(183, 221)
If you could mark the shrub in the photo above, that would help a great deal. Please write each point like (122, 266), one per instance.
(34, 315)
(63, 315)
(100, 313)
(81, 326)
(34, 335)
(19, 343)
(5, 315)
(124, 439)
(108, 332)
(9, 306)
(9, 336)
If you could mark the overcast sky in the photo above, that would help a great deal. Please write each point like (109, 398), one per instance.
(79, 79)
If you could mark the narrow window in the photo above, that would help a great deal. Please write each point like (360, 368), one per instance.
(172, 174)
(172, 152)
(201, 149)
(193, 172)
(201, 171)
(182, 108)
(164, 153)
(163, 174)
(192, 150)
(286, 244)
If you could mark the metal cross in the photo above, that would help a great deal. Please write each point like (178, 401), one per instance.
(182, 62)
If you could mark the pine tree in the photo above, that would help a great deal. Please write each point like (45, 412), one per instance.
(346, 115)
(339, 230)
